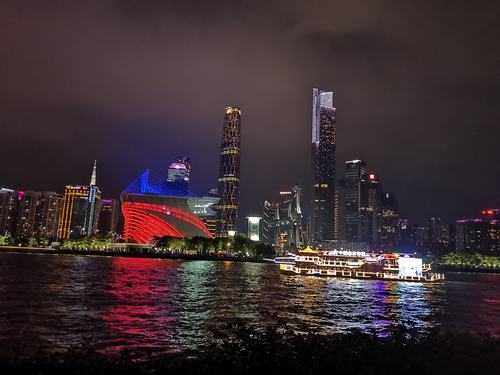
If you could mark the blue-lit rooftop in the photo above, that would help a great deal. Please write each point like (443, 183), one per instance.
(153, 183)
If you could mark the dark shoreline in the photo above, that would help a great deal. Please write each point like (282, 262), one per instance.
(245, 351)
(124, 254)
(449, 268)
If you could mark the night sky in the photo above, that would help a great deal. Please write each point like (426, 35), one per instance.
(134, 84)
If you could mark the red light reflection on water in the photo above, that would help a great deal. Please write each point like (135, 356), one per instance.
(140, 315)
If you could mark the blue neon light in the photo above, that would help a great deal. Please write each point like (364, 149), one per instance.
(151, 183)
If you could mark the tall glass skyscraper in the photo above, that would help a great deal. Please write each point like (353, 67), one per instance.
(323, 163)
(353, 174)
(229, 173)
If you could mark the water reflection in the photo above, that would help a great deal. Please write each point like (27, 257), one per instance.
(141, 313)
(56, 302)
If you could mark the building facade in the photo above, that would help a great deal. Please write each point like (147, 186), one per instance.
(26, 227)
(93, 205)
(109, 217)
(370, 209)
(388, 236)
(283, 222)
(73, 212)
(269, 223)
(229, 173)
(154, 207)
(323, 149)
(254, 228)
(354, 171)
(9, 203)
(481, 235)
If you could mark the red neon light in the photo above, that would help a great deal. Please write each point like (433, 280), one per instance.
(143, 222)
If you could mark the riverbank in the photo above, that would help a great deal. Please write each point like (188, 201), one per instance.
(471, 269)
(460, 261)
(244, 351)
(138, 253)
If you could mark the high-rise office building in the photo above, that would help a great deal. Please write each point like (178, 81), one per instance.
(421, 237)
(370, 208)
(339, 211)
(389, 219)
(254, 228)
(47, 215)
(481, 235)
(26, 214)
(229, 173)
(323, 163)
(353, 174)
(9, 203)
(29, 214)
(269, 223)
(73, 212)
(93, 206)
(109, 217)
(439, 236)
(283, 224)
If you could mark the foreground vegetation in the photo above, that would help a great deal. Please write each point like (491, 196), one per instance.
(238, 246)
(463, 260)
(196, 247)
(245, 351)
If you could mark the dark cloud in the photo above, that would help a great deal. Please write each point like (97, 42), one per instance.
(136, 83)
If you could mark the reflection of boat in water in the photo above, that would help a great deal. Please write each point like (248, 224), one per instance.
(359, 265)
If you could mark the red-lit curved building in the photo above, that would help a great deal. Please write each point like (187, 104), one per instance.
(164, 209)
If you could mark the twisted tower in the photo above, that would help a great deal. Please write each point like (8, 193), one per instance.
(229, 173)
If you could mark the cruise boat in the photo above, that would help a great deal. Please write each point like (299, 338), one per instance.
(360, 265)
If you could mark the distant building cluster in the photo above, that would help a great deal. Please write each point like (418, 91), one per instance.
(354, 211)
(154, 205)
(348, 209)
(39, 217)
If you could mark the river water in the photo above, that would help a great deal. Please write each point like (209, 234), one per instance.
(50, 302)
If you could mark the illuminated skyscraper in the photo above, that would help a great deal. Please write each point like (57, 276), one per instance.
(323, 160)
(73, 212)
(481, 235)
(269, 223)
(282, 222)
(37, 215)
(229, 173)
(9, 203)
(254, 229)
(370, 208)
(353, 174)
(94, 205)
(26, 214)
(389, 219)
(109, 217)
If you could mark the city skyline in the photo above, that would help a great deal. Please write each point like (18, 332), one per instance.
(236, 186)
(430, 134)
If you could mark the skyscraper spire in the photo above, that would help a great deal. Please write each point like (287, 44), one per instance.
(93, 205)
(93, 179)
